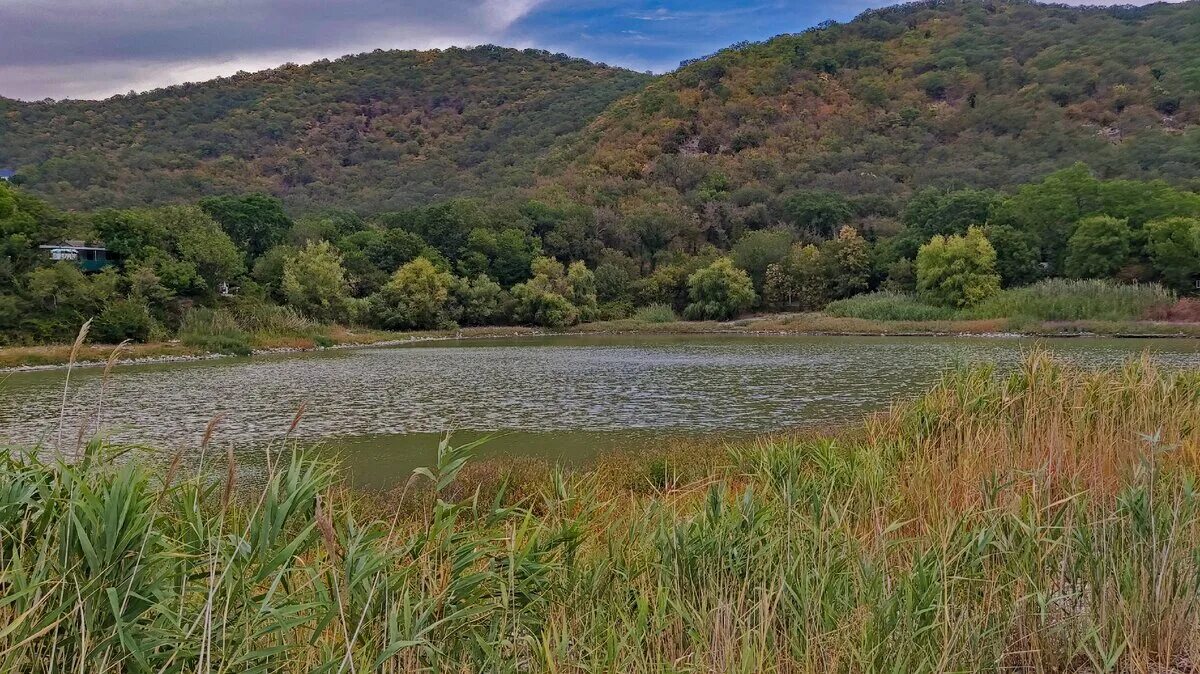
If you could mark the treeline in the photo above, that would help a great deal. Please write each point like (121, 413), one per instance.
(557, 263)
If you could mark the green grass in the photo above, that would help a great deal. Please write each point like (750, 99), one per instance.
(655, 313)
(1066, 300)
(214, 330)
(888, 306)
(1050, 301)
(1040, 520)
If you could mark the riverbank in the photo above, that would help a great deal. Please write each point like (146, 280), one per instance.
(800, 324)
(986, 525)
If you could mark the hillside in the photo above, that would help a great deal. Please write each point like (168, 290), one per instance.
(943, 94)
(374, 131)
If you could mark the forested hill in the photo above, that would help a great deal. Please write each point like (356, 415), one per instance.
(942, 94)
(375, 131)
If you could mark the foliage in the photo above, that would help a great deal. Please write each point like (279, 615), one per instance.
(756, 251)
(314, 281)
(1098, 248)
(1173, 245)
(417, 297)
(481, 301)
(847, 263)
(957, 271)
(122, 320)
(719, 291)
(799, 281)
(255, 222)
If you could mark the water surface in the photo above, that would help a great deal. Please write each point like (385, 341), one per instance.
(560, 398)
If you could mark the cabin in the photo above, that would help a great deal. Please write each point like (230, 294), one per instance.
(88, 258)
(7, 174)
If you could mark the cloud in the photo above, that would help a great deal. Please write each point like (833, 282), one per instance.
(90, 48)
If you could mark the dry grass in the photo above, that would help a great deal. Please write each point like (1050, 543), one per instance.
(1044, 521)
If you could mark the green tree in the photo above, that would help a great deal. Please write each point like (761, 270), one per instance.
(314, 282)
(756, 251)
(581, 290)
(543, 299)
(1173, 246)
(818, 212)
(481, 301)
(416, 297)
(931, 212)
(847, 259)
(798, 281)
(200, 241)
(957, 271)
(719, 291)
(1016, 255)
(255, 222)
(1099, 247)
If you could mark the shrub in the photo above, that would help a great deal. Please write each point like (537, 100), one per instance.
(719, 291)
(888, 306)
(534, 306)
(121, 320)
(655, 313)
(957, 271)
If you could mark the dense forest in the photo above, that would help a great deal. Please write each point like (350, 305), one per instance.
(938, 155)
(939, 94)
(374, 131)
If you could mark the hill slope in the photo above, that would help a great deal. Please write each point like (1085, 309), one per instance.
(373, 131)
(989, 94)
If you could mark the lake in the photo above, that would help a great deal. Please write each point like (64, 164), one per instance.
(560, 398)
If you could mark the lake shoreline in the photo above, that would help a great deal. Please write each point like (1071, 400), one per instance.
(52, 357)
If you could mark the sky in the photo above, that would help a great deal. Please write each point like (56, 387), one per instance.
(97, 48)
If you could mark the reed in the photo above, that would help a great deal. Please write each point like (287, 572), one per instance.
(1043, 519)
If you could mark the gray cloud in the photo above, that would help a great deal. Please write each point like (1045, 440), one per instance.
(90, 48)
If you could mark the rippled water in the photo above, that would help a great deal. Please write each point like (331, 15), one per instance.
(566, 397)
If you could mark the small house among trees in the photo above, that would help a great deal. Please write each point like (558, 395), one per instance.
(7, 174)
(89, 258)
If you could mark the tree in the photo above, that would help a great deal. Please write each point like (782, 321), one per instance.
(200, 241)
(314, 282)
(1098, 248)
(719, 291)
(819, 212)
(129, 233)
(581, 290)
(416, 297)
(957, 271)
(481, 301)
(798, 281)
(1173, 245)
(756, 251)
(931, 212)
(255, 222)
(1016, 255)
(543, 299)
(847, 261)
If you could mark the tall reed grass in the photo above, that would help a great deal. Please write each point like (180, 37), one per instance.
(1044, 519)
(1068, 300)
